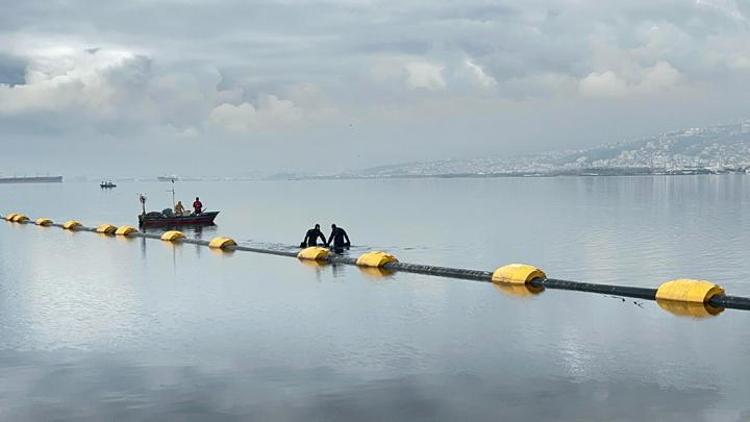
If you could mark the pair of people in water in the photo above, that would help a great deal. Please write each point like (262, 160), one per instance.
(339, 239)
(179, 209)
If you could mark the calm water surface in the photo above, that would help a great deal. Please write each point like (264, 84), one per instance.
(96, 328)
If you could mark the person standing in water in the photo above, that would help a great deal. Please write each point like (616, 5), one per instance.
(311, 237)
(339, 238)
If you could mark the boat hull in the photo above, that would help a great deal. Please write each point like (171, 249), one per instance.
(204, 219)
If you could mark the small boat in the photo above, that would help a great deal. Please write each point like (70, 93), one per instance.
(167, 217)
(159, 219)
(107, 185)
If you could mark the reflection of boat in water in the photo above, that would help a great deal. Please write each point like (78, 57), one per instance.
(159, 219)
(107, 185)
(171, 178)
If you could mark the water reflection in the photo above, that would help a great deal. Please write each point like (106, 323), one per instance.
(143, 244)
(118, 388)
(113, 329)
(339, 270)
(376, 273)
(518, 290)
(689, 309)
(317, 266)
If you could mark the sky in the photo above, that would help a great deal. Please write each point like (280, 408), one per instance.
(238, 87)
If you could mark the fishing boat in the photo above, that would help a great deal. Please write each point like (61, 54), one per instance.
(159, 219)
(167, 218)
(107, 185)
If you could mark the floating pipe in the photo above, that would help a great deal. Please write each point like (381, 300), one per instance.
(713, 298)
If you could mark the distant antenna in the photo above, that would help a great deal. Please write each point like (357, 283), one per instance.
(142, 198)
(173, 202)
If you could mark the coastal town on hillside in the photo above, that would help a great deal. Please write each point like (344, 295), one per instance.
(711, 150)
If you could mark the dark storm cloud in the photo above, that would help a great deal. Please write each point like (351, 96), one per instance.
(12, 69)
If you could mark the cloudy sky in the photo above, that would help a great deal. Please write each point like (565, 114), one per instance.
(238, 86)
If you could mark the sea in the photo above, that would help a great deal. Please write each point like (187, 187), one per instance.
(99, 328)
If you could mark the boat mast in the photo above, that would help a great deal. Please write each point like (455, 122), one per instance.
(173, 202)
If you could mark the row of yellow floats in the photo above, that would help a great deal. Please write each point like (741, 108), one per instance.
(682, 296)
(224, 243)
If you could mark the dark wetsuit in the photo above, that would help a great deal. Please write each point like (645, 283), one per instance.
(311, 238)
(339, 238)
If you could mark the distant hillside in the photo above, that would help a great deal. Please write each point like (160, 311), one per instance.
(715, 149)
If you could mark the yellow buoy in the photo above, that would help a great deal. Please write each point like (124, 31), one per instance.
(517, 274)
(172, 236)
(43, 222)
(375, 259)
(106, 229)
(19, 218)
(71, 225)
(10, 216)
(125, 231)
(222, 243)
(314, 253)
(687, 290)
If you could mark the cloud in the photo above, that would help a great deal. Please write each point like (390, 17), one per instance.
(730, 8)
(12, 69)
(479, 75)
(270, 112)
(648, 81)
(425, 75)
(103, 85)
(605, 84)
(452, 74)
(69, 79)
(661, 76)
(82, 69)
(303, 105)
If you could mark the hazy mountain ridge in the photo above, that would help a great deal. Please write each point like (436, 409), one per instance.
(713, 149)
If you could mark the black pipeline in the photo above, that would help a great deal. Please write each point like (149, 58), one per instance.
(682, 296)
(719, 301)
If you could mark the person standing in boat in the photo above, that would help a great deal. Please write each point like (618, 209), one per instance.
(198, 206)
(179, 209)
(339, 238)
(312, 235)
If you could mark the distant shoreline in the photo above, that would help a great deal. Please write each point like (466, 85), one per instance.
(598, 172)
(601, 172)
